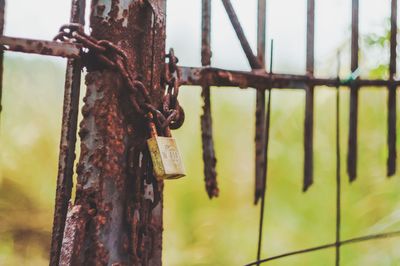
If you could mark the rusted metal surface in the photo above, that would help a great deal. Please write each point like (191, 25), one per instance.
(309, 106)
(2, 8)
(353, 117)
(209, 159)
(208, 146)
(40, 47)
(206, 33)
(253, 61)
(245, 79)
(115, 178)
(261, 30)
(392, 102)
(67, 141)
(73, 237)
(260, 107)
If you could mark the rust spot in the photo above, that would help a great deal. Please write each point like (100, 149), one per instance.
(100, 9)
(39, 46)
(46, 50)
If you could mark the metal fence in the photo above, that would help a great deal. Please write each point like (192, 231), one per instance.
(263, 81)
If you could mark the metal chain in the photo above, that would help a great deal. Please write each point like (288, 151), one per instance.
(171, 115)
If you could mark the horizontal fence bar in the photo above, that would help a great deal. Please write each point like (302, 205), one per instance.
(247, 79)
(331, 245)
(198, 75)
(42, 47)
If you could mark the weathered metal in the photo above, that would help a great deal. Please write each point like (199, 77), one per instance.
(254, 79)
(115, 180)
(209, 159)
(73, 237)
(260, 156)
(392, 102)
(206, 33)
(40, 47)
(117, 216)
(261, 169)
(165, 155)
(255, 63)
(354, 88)
(309, 106)
(67, 140)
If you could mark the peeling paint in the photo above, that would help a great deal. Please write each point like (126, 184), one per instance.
(104, 9)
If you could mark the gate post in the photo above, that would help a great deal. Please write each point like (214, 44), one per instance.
(118, 201)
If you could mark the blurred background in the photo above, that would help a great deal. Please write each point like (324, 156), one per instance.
(222, 231)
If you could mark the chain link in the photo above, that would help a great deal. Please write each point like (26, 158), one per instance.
(171, 114)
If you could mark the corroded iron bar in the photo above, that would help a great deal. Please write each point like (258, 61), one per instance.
(392, 102)
(210, 174)
(262, 125)
(42, 47)
(309, 106)
(2, 8)
(206, 33)
(260, 156)
(245, 79)
(67, 141)
(115, 180)
(253, 61)
(73, 237)
(353, 117)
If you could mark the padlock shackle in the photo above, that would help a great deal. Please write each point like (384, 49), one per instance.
(151, 125)
(153, 128)
(167, 132)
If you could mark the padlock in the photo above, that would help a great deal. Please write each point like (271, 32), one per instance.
(167, 161)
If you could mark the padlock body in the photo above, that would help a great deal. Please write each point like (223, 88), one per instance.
(167, 161)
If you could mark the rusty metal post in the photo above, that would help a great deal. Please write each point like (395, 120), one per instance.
(260, 106)
(67, 141)
(210, 174)
(116, 189)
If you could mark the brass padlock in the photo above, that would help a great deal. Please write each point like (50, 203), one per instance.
(167, 161)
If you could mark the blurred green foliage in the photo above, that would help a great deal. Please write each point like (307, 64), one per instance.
(222, 231)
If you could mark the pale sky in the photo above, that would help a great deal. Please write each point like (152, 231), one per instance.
(286, 24)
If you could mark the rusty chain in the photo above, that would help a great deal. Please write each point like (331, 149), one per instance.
(171, 114)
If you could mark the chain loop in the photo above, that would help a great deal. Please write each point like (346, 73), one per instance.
(171, 114)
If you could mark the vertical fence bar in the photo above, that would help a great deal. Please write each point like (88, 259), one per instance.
(261, 166)
(338, 169)
(353, 119)
(392, 103)
(2, 10)
(206, 33)
(309, 108)
(210, 174)
(260, 107)
(67, 141)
